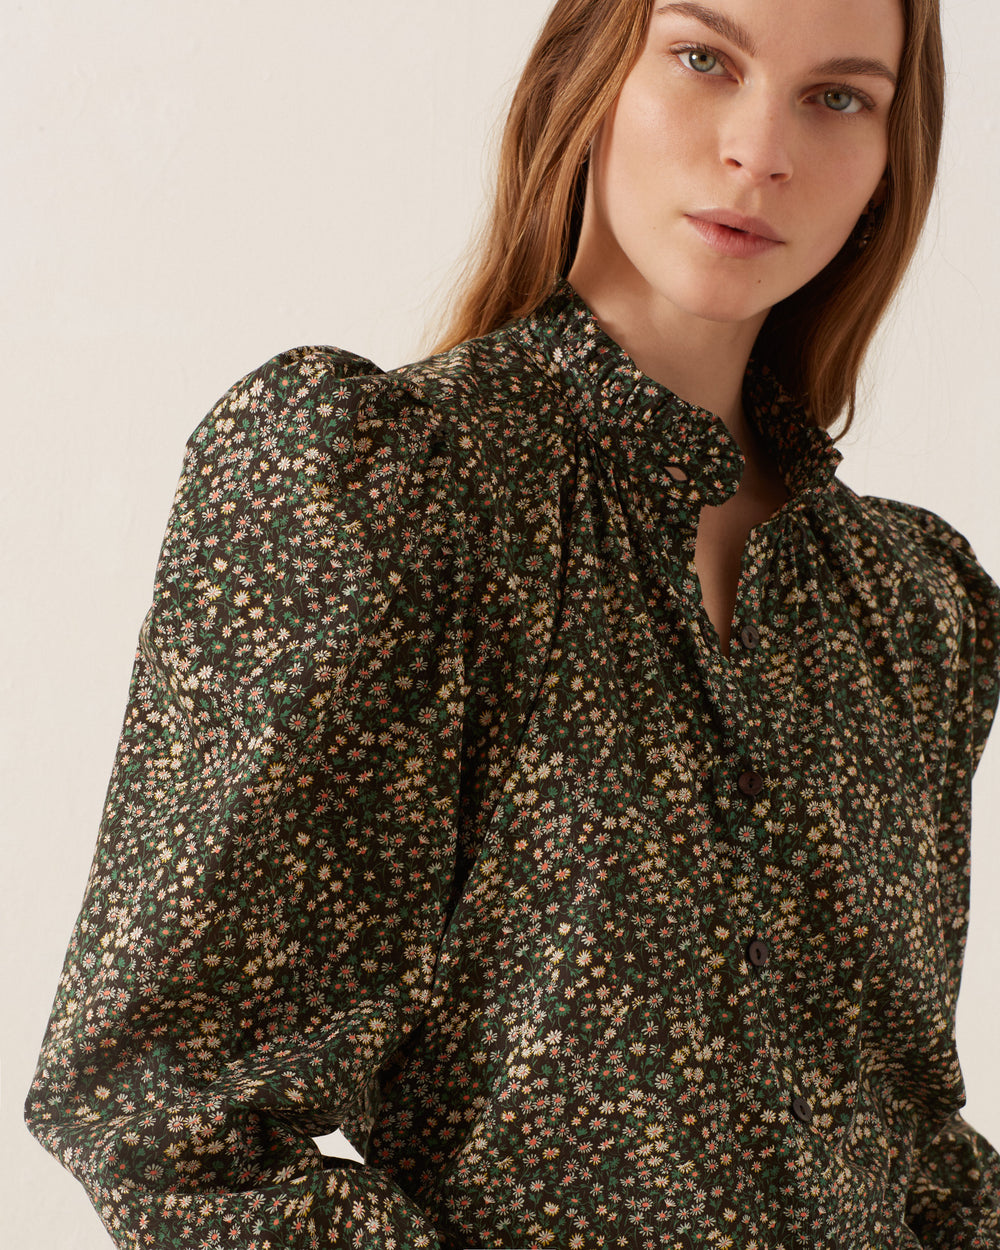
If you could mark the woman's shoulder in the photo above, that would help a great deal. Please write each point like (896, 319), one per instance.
(924, 546)
(928, 580)
(318, 454)
(484, 398)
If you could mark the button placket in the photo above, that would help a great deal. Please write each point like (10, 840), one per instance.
(751, 778)
(751, 782)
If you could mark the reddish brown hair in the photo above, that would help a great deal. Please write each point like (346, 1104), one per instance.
(817, 338)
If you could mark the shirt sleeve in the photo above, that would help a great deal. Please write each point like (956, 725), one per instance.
(276, 860)
(955, 1192)
(954, 1196)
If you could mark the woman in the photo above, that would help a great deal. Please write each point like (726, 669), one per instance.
(537, 763)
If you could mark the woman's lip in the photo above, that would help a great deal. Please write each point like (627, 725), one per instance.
(739, 241)
(739, 221)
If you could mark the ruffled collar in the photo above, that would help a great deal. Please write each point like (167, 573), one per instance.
(673, 446)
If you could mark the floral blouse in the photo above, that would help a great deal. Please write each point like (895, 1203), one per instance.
(439, 815)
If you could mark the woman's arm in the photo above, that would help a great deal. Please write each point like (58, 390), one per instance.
(276, 861)
(953, 1202)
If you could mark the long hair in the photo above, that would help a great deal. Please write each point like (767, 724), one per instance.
(816, 339)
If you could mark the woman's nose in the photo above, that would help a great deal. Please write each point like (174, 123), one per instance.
(756, 140)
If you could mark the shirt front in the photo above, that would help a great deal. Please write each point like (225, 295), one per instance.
(440, 816)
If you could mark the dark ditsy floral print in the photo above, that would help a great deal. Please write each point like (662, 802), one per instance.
(439, 815)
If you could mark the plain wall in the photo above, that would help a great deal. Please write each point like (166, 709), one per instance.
(190, 187)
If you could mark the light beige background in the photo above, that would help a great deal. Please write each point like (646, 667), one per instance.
(187, 188)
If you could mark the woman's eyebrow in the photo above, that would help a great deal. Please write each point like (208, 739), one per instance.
(857, 65)
(722, 25)
(742, 39)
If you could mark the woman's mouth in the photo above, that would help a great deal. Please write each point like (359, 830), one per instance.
(734, 234)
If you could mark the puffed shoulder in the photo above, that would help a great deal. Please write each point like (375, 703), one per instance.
(315, 501)
(936, 550)
(358, 418)
(941, 581)
(317, 393)
(291, 378)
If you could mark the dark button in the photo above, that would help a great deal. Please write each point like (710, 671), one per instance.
(802, 1110)
(758, 952)
(750, 637)
(750, 784)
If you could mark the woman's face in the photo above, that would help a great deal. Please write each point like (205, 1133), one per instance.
(747, 140)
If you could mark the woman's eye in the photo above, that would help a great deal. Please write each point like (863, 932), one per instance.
(701, 61)
(842, 101)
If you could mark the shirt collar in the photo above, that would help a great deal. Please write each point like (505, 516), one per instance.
(665, 442)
